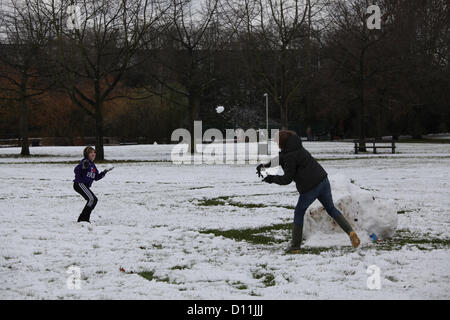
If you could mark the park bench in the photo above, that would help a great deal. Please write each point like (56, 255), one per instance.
(374, 144)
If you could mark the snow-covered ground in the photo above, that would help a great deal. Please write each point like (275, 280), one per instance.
(157, 153)
(216, 231)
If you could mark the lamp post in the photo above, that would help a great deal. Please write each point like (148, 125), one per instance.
(267, 120)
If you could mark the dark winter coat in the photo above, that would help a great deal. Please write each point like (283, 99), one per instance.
(299, 166)
(86, 172)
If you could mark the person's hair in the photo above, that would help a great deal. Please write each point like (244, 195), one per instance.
(88, 150)
(283, 137)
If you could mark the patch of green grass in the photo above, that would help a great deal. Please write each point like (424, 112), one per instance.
(337, 251)
(199, 188)
(407, 211)
(262, 236)
(369, 189)
(258, 205)
(211, 202)
(238, 285)
(178, 267)
(226, 200)
(163, 279)
(248, 205)
(317, 250)
(252, 235)
(150, 275)
(392, 278)
(404, 237)
(268, 279)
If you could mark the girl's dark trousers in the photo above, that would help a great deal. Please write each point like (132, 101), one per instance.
(91, 200)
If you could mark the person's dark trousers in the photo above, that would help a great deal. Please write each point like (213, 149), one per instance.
(321, 192)
(89, 196)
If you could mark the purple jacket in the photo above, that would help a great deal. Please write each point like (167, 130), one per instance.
(86, 172)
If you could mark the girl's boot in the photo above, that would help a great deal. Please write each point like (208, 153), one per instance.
(297, 234)
(84, 216)
(343, 223)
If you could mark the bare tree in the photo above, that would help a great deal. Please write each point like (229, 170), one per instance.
(96, 43)
(354, 50)
(276, 32)
(186, 54)
(25, 39)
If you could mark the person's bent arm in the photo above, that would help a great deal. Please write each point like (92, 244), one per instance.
(274, 162)
(289, 174)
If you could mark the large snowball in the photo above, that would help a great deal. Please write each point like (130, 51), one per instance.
(365, 213)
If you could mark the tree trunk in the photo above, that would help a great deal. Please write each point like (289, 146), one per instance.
(194, 107)
(284, 117)
(99, 133)
(362, 112)
(362, 124)
(24, 127)
(24, 117)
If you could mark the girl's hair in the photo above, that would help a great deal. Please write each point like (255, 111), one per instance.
(88, 150)
(283, 137)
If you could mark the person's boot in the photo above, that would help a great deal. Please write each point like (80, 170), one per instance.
(84, 217)
(355, 240)
(297, 234)
(343, 223)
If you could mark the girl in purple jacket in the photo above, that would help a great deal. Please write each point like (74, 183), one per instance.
(85, 173)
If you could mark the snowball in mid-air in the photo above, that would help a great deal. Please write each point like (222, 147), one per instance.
(220, 109)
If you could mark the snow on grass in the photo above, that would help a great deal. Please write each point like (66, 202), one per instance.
(215, 231)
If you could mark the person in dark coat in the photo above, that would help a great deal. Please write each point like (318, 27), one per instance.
(311, 181)
(85, 173)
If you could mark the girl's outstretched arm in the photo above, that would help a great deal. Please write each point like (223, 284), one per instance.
(100, 175)
(273, 163)
(289, 173)
(103, 173)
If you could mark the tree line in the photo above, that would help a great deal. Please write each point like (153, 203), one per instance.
(138, 69)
